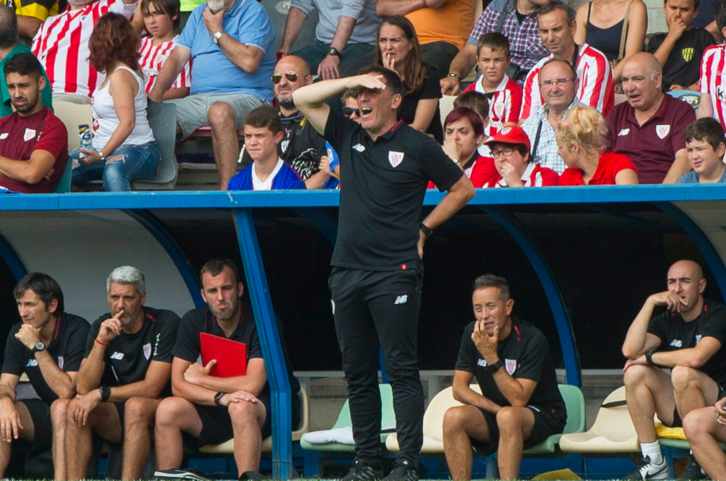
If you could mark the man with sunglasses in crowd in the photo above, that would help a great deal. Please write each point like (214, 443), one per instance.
(232, 45)
(301, 147)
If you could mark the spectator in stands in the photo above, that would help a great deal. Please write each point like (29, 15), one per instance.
(713, 83)
(31, 14)
(214, 409)
(518, 23)
(504, 94)
(614, 27)
(680, 50)
(301, 147)
(35, 163)
(48, 347)
(384, 167)
(61, 45)
(231, 44)
(557, 28)
(478, 103)
(689, 339)
(706, 148)
(520, 404)
(123, 146)
(442, 28)
(346, 32)
(581, 141)
(649, 127)
(513, 164)
(558, 83)
(397, 48)
(10, 45)
(263, 134)
(464, 132)
(161, 18)
(330, 163)
(125, 372)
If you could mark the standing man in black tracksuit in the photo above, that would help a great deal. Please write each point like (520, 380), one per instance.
(377, 269)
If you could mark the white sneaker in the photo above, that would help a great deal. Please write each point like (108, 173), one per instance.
(647, 470)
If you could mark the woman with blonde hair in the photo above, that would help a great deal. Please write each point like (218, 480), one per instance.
(581, 144)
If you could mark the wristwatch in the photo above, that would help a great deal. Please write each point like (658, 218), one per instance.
(39, 346)
(216, 36)
(494, 367)
(455, 75)
(649, 356)
(105, 393)
(218, 398)
(334, 51)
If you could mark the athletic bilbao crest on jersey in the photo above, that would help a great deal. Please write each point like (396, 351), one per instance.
(61, 362)
(499, 109)
(29, 134)
(395, 158)
(510, 365)
(662, 131)
(687, 54)
(147, 350)
(284, 145)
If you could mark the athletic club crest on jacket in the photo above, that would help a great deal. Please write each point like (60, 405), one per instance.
(395, 158)
(147, 350)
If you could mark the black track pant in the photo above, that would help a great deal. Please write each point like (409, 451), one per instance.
(380, 309)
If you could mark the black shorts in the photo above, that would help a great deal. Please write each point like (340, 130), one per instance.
(40, 414)
(546, 423)
(678, 422)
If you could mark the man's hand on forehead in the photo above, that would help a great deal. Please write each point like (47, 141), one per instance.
(369, 82)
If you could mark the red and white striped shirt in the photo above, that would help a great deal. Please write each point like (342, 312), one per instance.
(596, 82)
(153, 58)
(504, 104)
(713, 82)
(61, 45)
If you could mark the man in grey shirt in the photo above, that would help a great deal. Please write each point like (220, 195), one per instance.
(346, 32)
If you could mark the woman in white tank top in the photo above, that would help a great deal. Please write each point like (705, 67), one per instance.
(123, 146)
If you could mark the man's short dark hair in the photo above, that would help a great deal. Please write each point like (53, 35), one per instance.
(558, 5)
(215, 266)
(391, 78)
(44, 286)
(707, 129)
(490, 280)
(8, 27)
(23, 64)
(564, 62)
(494, 41)
(264, 116)
(720, 16)
(169, 7)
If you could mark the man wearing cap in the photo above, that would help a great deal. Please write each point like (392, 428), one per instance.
(512, 165)
(558, 84)
(519, 405)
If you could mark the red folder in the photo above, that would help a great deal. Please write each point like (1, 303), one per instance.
(231, 355)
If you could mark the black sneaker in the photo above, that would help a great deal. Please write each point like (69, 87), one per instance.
(252, 476)
(182, 474)
(364, 471)
(403, 471)
(647, 470)
(693, 471)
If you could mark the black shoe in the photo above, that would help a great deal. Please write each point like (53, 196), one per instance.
(403, 471)
(364, 471)
(692, 471)
(182, 474)
(647, 470)
(252, 475)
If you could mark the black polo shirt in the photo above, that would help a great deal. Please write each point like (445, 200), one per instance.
(66, 347)
(675, 333)
(384, 182)
(525, 354)
(196, 321)
(128, 356)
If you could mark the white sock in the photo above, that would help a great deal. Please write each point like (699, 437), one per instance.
(652, 450)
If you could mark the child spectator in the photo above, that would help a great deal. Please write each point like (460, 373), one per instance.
(330, 163)
(263, 131)
(680, 50)
(503, 93)
(161, 18)
(706, 147)
(581, 143)
(477, 102)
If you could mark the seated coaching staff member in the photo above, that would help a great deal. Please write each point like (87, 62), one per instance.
(377, 270)
(48, 346)
(215, 409)
(520, 404)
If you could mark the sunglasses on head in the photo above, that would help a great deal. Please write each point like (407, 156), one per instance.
(291, 76)
(348, 111)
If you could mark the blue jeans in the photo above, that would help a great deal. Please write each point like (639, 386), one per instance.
(138, 162)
